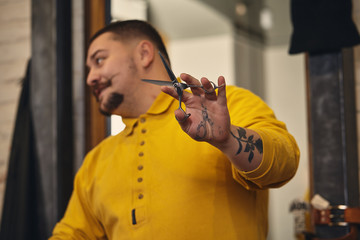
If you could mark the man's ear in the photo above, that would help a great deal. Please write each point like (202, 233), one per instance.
(146, 52)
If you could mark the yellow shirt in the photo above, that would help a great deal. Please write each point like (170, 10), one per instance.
(152, 181)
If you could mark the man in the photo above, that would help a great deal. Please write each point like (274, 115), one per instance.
(166, 175)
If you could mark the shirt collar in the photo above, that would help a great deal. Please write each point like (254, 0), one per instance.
(161, 104)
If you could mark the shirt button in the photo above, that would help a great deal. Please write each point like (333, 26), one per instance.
(142, 120)
(140, 196)
(141, 154)
(142, 143)
(140, 179)
(143, 130)
(140, 167)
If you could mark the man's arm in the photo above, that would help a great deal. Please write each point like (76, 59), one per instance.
(259, 147)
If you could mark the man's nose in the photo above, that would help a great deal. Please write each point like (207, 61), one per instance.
(92, 78)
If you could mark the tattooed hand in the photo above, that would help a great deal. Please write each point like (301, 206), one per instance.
(209, 117)
(210, 121)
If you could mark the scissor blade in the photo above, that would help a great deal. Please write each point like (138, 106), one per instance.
(158, 82)
(170, 73)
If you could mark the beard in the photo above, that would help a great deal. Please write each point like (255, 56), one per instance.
(112, 103)
(115, 99)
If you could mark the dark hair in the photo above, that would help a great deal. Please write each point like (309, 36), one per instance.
(126, 30)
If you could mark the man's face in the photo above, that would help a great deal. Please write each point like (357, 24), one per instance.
(112, 74)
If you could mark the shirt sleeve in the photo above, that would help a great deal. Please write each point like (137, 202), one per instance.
(280, 151)
(79, 221)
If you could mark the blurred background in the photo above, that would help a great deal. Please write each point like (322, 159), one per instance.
(246, 41)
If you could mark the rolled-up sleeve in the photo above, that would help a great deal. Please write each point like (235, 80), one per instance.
(280, 150)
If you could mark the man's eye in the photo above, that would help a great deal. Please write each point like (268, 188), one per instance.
(99, 60)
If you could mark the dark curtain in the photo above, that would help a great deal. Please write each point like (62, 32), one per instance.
(322, 26)
(23, 216)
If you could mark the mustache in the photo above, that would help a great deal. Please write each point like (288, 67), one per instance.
(99, 86)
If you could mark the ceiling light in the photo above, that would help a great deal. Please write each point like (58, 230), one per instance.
(240, 9)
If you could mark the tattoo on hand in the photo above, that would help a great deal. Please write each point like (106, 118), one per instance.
(250, 144)
(201, 128)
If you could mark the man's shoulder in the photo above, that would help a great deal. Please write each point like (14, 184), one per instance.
(106, 146)
(98, 157)
(236, 93)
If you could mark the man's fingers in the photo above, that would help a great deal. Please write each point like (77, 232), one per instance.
(170, 91)
(192, 81)
(189, 79)
(209, 89)
(182, 118)
(222, 91)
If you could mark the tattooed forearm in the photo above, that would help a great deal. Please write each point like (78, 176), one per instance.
(201, 128)
(250, 143)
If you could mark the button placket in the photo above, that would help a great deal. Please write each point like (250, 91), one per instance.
(140, 167)
(138, 212)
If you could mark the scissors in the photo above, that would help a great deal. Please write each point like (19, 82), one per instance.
(179, 86)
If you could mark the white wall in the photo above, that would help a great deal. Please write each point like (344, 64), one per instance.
(285, 88)
(209, 57)
(249, 64)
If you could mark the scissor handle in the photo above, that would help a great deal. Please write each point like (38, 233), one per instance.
(202, 87)
(214, 87)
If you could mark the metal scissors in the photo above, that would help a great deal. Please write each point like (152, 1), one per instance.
(179, 86)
